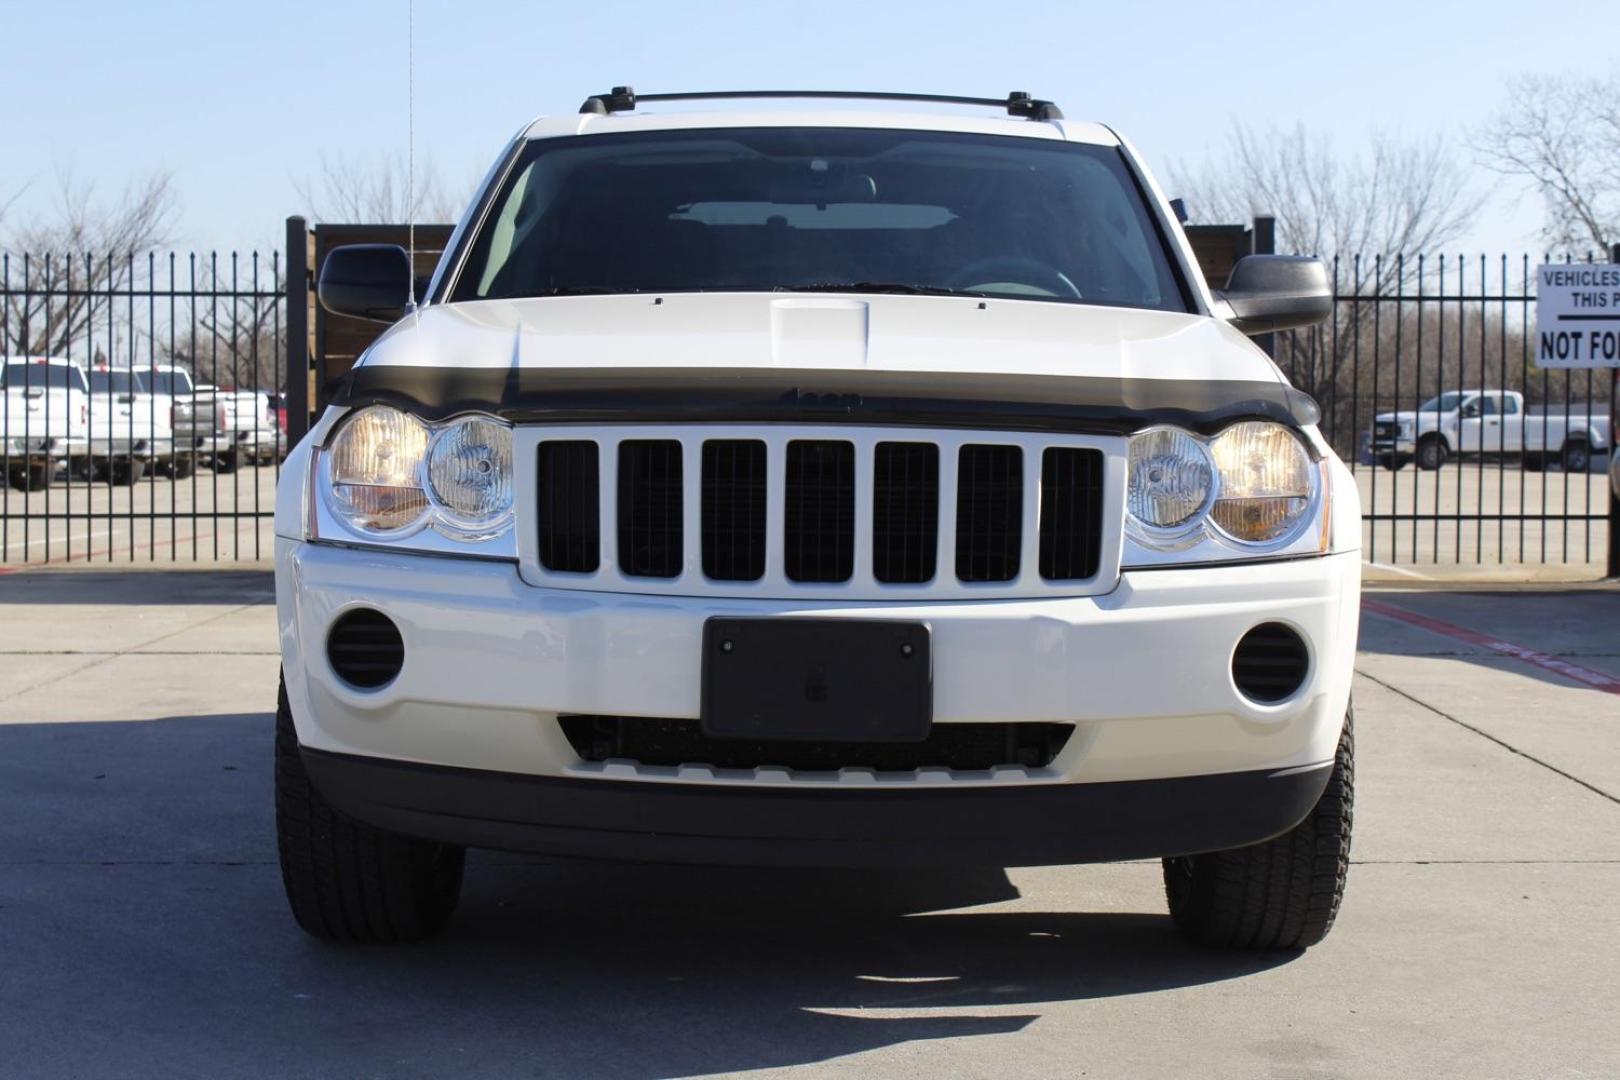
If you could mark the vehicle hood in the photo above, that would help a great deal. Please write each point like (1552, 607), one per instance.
(713, 332)
(1398, 417)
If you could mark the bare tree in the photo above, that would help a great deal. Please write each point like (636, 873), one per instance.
(1396, 197)
(91, 244)
(234, 336)
(1563, 136)
(359, 192)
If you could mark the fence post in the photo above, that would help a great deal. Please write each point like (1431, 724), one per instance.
(1614, 416)
(297, 282)
(1263, 241)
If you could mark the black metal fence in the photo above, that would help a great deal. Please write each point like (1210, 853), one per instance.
(143, 405)
(145, 420)
(1503, 461)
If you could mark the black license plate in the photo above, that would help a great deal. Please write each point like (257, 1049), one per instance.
(857, 680)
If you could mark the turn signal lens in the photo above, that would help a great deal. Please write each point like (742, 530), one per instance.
(1265, 480)
(376, 463)
(1170, 478)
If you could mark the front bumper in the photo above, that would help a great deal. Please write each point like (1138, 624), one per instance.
(464, 745)
(1016, 826)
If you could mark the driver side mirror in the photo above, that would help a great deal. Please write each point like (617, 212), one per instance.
(1471, 410)
(367, 281)
(1277, 292)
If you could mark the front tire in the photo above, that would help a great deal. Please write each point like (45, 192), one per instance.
(345, 880)
(1281, 894)
(1431, 453)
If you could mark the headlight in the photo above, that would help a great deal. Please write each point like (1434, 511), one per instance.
(1265, 480)
(470, 473)
(1247, 491)
(387, 476)
(375, 471)
(1171, 479)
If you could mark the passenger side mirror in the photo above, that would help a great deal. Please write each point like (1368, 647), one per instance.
(367, 281)
(1277, 292)
(1471, 410)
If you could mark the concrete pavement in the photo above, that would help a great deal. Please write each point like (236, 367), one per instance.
(143, 931)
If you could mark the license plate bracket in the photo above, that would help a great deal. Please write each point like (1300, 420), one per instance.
(809, 679)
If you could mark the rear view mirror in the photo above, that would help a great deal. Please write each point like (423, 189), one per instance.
(368, 281)
(1277, 292)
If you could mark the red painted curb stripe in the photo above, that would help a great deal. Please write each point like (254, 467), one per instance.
(1547, 662)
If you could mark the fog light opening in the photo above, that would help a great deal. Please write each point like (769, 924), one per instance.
(365, 649)
(1270, 663)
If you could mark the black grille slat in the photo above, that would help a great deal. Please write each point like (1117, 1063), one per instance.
(989, 512)
(971, 746)
(819, 517)
(905, 512)
(570, 506)
(650, 508)
(1270, 663)
(1071, 513)
(364, 647)
(733, 510)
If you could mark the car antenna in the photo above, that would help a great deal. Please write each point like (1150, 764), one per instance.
(410, 154)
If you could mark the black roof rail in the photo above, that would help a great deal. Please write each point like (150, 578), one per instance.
(1017, 103)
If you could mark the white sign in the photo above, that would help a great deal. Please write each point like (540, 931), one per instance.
(1578, 315)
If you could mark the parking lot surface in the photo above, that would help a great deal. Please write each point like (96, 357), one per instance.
(143, 930)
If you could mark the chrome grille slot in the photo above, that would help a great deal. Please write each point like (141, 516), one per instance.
(733, 509)
(569, 510)
(989, 512)
(1071, 513)
(819, 519)
(650, 508)
(905, 512)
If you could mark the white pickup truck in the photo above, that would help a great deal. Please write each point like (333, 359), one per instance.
(46, 418)
(225, 426)
(1489, 422)
(131, 428)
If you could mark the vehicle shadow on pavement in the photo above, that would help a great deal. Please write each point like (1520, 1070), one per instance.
(138, 886)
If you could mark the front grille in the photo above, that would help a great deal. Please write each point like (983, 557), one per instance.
(650, 507)
(733, 509)
(569, 507)
(878, 508)
(989, 512)
(1071, 513)
(682, 742)
(905, 512)
(819, 517)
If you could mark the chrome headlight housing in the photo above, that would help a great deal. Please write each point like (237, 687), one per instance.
(1251, 490)
(388, 478)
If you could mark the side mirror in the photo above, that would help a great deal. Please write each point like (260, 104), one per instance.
(1277, 292)
(368, 281)
(1471, 410)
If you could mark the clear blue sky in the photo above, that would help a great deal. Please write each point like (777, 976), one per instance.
(240, 99)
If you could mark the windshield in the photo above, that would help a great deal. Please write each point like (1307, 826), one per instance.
(1443, 403)
(119, 382)
(829, 209)
(25, 376)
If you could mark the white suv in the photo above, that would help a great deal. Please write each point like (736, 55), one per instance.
(818, 487)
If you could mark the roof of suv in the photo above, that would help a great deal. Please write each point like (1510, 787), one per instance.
(980, 120)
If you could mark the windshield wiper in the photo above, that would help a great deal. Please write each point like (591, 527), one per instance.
(582, 290)
(896, 287)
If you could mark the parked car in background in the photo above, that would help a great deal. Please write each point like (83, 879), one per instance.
(131, 428)
(226, 427)
(46, 418)
(1490, 422)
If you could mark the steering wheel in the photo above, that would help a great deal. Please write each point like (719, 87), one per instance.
(1023, 274)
